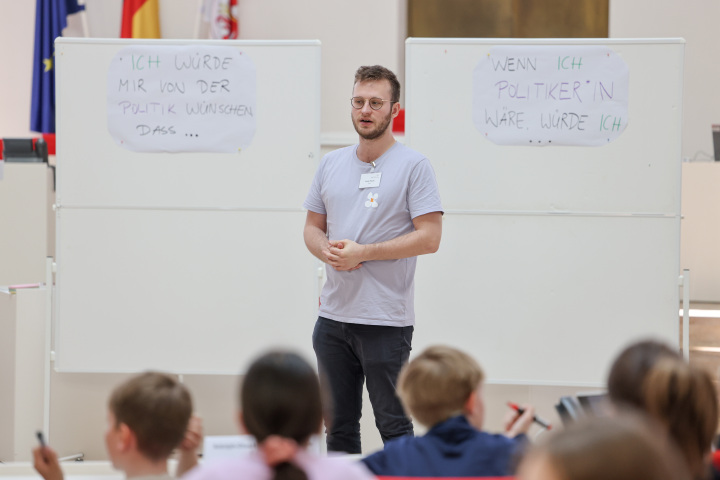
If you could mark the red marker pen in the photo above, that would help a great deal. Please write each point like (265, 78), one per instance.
(536, 419)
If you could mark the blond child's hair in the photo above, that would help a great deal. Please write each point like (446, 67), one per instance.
(436, 384)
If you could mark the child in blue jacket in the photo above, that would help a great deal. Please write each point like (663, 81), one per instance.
(442, 389)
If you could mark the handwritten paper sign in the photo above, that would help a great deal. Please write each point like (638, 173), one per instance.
(232, 446)
(551, 95)
(170, 98)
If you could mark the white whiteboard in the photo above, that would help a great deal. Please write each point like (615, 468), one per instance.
(184, 262)
(552, 258)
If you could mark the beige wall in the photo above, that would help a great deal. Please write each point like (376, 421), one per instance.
(17, 24)
(79, 408)
(25, 222)
(700, 240)
(350, 36)
(696, 22)
(22, 366)
(373, 34)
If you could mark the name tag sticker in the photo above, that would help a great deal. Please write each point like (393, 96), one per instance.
(368, 180)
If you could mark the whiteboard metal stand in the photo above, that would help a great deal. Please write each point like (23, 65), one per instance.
(321, 278)
(50, 269)
(685, 282)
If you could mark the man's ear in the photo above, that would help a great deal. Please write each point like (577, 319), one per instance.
(395, 109)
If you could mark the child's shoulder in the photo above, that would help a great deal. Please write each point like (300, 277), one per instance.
(319, 467)
(230, 469)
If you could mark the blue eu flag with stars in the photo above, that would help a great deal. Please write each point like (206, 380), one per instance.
(50, 20)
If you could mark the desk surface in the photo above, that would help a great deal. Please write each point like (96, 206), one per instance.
(73, 471)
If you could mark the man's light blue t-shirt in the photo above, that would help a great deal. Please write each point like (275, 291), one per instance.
(382, 291)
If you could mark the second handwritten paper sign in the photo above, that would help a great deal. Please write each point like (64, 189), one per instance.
(551, 95)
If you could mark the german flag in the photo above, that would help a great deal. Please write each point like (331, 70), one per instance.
(140, 19)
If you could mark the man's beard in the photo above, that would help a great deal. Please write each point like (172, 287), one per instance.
(378, 131)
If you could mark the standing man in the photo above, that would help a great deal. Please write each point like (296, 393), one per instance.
(372, 209)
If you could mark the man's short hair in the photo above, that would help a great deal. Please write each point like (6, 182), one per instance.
(436, 384)
(157, 408)
(377, 72)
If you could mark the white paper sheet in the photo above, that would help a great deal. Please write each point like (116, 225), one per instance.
(217, 447)
(171, 98)
(551, 95)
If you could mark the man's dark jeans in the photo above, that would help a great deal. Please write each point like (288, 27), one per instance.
(347, 353)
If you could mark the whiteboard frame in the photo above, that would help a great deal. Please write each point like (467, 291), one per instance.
(446, 317)
(92, 282)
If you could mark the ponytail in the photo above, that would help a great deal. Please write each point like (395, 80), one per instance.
(683, 397)
(282, 408)
(289, 471)
(279, 452)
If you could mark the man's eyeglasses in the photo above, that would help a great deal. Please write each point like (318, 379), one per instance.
(375, 103)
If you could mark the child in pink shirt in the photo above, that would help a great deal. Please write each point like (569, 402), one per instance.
(281, 407)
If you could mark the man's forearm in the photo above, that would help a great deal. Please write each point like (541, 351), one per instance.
(315, 240)
(423, 240)
(346, 254)
(409, 245)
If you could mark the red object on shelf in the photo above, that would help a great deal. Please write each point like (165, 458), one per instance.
(399, 122)
(49, 140)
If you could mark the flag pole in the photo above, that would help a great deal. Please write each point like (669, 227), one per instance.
(83, 19)
(198, 18)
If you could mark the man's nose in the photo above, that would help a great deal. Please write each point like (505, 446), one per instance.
(366, 107)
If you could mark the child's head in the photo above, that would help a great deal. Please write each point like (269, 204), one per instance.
(154, 409)
(630, 368)
(682, 397)
(281, 408)
(439, 383)
(678, 395)
(280, 395)
(624, 447)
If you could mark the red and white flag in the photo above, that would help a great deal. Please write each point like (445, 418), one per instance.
(222, 17)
